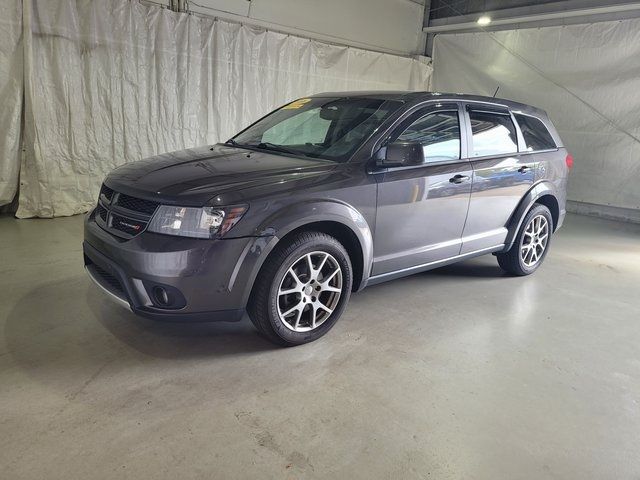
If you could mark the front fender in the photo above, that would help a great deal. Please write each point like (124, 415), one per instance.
(537, 191)
(291, 217)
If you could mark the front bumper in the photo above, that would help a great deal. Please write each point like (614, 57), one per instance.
(207, 280)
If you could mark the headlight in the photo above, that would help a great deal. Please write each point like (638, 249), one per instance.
(207, 222)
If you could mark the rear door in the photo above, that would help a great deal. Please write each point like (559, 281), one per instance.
(422, 209)
(501, 176)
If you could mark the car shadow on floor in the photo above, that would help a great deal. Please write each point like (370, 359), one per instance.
(482, 267)
(162, 339)
(70, 322)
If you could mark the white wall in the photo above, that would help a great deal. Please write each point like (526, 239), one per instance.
(114, 81)
(393, 26)
(584, 76)
(10, 97)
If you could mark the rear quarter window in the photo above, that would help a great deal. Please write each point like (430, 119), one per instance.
(535, 133)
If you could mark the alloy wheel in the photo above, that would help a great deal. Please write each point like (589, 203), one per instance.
(534, 240)
(309, 291)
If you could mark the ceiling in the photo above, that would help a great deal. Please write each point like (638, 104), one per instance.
(452, 8)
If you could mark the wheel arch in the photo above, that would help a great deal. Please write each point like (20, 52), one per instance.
(345, 236)
(551, 202)
(542, 193)
(337, 219)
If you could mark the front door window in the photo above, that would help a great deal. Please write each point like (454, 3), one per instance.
(438, 133)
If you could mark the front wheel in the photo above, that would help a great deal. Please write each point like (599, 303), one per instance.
(531, 245)
(302, 289)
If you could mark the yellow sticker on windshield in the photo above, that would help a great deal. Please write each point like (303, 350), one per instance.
(297, 104)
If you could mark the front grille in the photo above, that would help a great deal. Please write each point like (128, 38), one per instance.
(102, 213)
(136, 204)
(107, 192)
(123, 215)
(109, 279)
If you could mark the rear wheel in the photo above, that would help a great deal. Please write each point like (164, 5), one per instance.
(302, 289)
(531, 244)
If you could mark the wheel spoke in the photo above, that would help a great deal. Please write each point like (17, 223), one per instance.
(329, 288)
(324, 307)
(289, 291)
(310, 266)
(325, 281)
(298, 317)
(530, 255)
(295, 276)
(293, 309)
(324, 260)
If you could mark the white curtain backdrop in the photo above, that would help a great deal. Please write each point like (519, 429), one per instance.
(587, 77)
(10, 97)
(113, 81)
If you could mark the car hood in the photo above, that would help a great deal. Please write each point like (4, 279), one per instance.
(213, 175)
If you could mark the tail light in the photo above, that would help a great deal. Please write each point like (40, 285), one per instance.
(569, 161)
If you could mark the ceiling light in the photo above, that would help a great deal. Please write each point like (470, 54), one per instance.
(484, 20)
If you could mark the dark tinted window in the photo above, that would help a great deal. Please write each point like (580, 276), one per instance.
(536, 136)
(493, 134)
(439, 134)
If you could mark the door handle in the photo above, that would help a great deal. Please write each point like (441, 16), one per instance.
(524, 169)
(459, 178)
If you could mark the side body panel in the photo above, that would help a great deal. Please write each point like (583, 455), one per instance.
(420, 216)
(551, 167)
(499, 184)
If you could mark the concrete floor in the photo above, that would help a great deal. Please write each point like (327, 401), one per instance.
(456, 373)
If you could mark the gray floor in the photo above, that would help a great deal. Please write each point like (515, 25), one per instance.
(456, 373)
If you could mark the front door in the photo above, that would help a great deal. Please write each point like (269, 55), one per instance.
(422, 209)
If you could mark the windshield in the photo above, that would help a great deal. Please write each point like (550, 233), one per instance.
(325, 127)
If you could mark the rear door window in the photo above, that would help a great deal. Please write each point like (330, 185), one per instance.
(493, 134)
(536, 136)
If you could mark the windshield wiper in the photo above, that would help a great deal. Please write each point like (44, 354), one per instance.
(267, 146)
(276, 148)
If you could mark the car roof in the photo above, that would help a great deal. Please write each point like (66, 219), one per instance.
(416, 97)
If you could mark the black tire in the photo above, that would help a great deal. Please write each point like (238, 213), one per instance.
(263, 304)
(511, 261)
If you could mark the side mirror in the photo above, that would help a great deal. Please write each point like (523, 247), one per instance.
(402, 154)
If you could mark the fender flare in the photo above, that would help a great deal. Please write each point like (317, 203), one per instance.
(513, 225)
(292, 217)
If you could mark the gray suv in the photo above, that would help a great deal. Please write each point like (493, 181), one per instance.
(322, 197)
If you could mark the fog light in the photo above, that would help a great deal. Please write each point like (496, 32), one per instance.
(161, 296)
(164, 296)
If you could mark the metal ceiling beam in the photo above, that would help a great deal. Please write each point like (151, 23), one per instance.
(532, 18)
